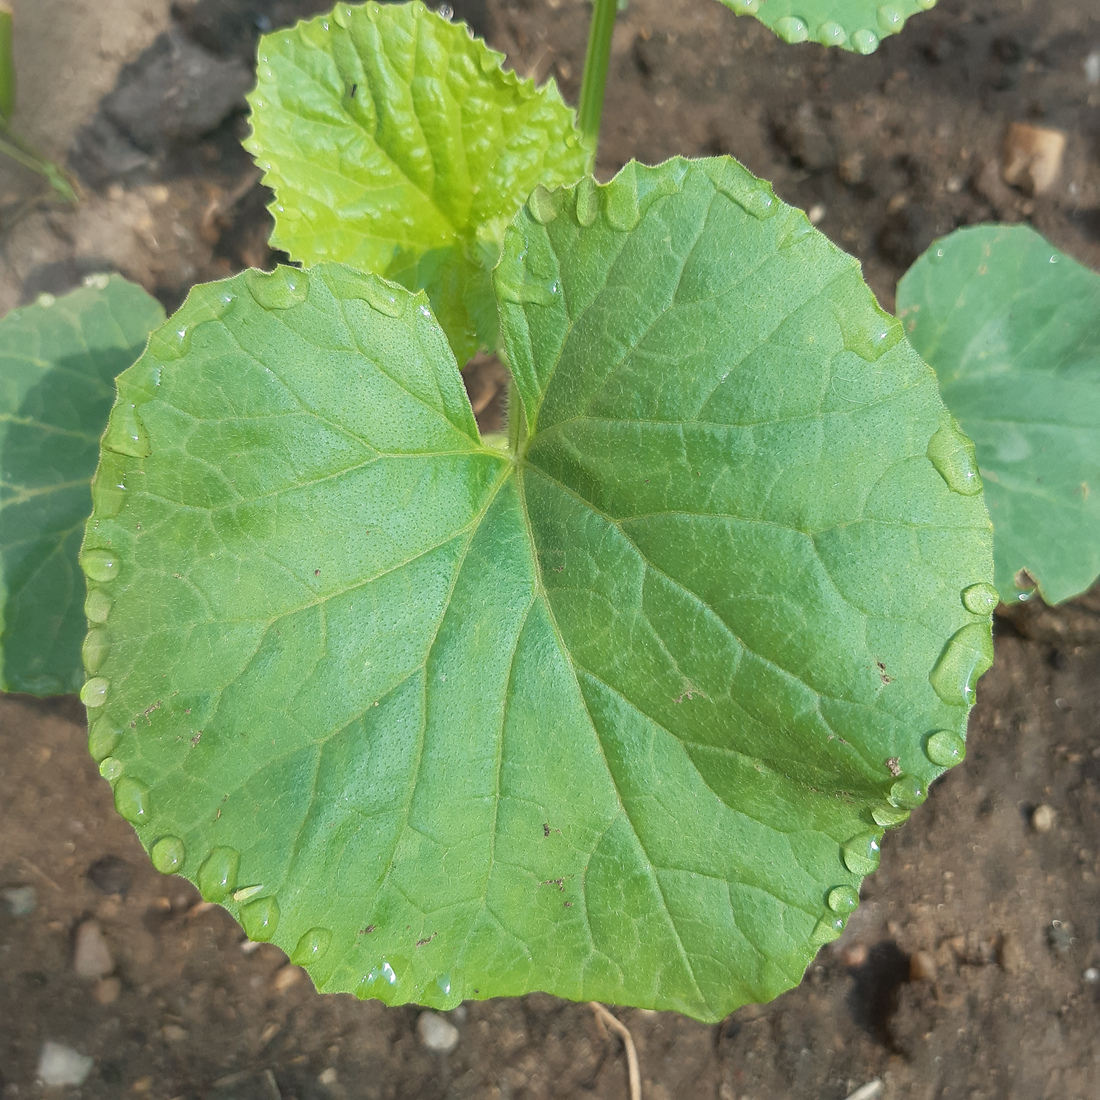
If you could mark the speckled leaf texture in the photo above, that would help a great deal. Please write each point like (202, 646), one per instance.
(618, 714)
(1012, 327)
(857, 25)
(58, 361)
(397, 144)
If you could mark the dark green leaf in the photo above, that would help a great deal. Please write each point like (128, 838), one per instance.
(1012, 328)
(58, 361)
(857, 25)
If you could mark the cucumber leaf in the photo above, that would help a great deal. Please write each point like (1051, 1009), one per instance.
(857, 25)
(396, 143)
(619, 713)
(1012, 327)
(58, 361)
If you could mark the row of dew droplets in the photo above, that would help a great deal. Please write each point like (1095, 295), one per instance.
(792, 28)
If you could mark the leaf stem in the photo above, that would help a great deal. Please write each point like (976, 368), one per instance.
(517, 421)
(594, 80)
(10, 146)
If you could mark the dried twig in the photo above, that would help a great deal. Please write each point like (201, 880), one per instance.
(603, 1016)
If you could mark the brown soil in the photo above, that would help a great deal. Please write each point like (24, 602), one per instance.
(966, 971)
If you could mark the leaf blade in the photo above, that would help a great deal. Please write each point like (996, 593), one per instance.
(397, 144)
(1010, 325)
(57, 368)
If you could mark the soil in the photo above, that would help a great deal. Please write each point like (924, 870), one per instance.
(972, 968)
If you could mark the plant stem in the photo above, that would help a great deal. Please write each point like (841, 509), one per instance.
(517, 422)
(594, 81)
(10, 147)
(7, 65)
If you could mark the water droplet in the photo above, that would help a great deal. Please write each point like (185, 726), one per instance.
(312, 945)
(372, 12)
(103, 738)
(542, 205)
(94, 691)
(792, 29)
(865, 42)
(279, 289)
(222, 302)
(108, 490)
(98, 282)
(843, 899)
(945, 748)
(487, 61)
(99, 565)
(132, 800)
(260, 918)
(907, 793)
(1054, 259)
(168, 855)
(387, 300)
(343, 15)
(826, 930)
(45, 300)
(980, 599)
(797, 229)
(891, 18)
(926, 5)
(757, 200)
(173, 341)
(314, 33)
(936, 255)
(97, 605)
(744, 7)
(952, 453)
(586, 202)
(444, 984)
(963, 660)
(889, 816)
(620, 204)
(514, 285)
(861, 854)
(217, 877)
(865, 327)
(831, 34)
(95, 649)
(383, 972)
(110, 768)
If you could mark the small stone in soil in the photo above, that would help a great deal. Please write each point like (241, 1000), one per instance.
(1060, 935)
(91, 956)
(437, 1032)
(1092, 975)
(328, 1076)
(20, 900)
(106, 991)
(1042, 818)
(59, 1065)
(922, 967)
(174, 1033)
(110, 875)
(1032, 157)
(286, 976)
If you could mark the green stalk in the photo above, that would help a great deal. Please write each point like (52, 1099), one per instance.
(596, 63)
(7, 65)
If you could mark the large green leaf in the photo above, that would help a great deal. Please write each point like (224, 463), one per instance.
(620, 715)
(396, 143)
(857, 25)
(58, 361)
(1012, 328)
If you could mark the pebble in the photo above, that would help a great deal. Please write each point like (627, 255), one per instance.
(1042, 818)
(1032, 157)
(1092, 67)
(91, 956)
(106, 991)
(437, 1032)
(286, 976)
(871, 1091)
(20, 900)
(110, 875)
(59, 1065)
(922, 967)
(1092, 975)
(328, 1076)
(174, 1033)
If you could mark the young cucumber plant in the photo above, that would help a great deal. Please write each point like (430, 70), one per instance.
(618, 709)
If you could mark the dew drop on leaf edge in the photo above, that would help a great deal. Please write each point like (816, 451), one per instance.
(260, 919)
(311, 946)
(103, 738)
(953, 456)
(843, 899)
(966, 656)
(132, 800)
(99, 565)
(945, 748)
(217, 877)
(168, 855)
(861, 853)
(980, 599)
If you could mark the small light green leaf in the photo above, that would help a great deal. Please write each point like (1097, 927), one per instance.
(615, 716)
(58, 361)
(397, 144)
(1012, 328)
(857, 25)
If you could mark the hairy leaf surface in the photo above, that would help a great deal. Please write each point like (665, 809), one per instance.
(396, 143)
(620, 714)
(857, 25)
(1012, 328)
(58, 361)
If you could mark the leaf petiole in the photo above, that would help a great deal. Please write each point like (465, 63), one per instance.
(596, 61)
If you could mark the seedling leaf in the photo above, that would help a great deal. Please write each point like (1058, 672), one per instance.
(58, 361)
(857, 25)
(1012, 327)
(396, 143)
(619, 715)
